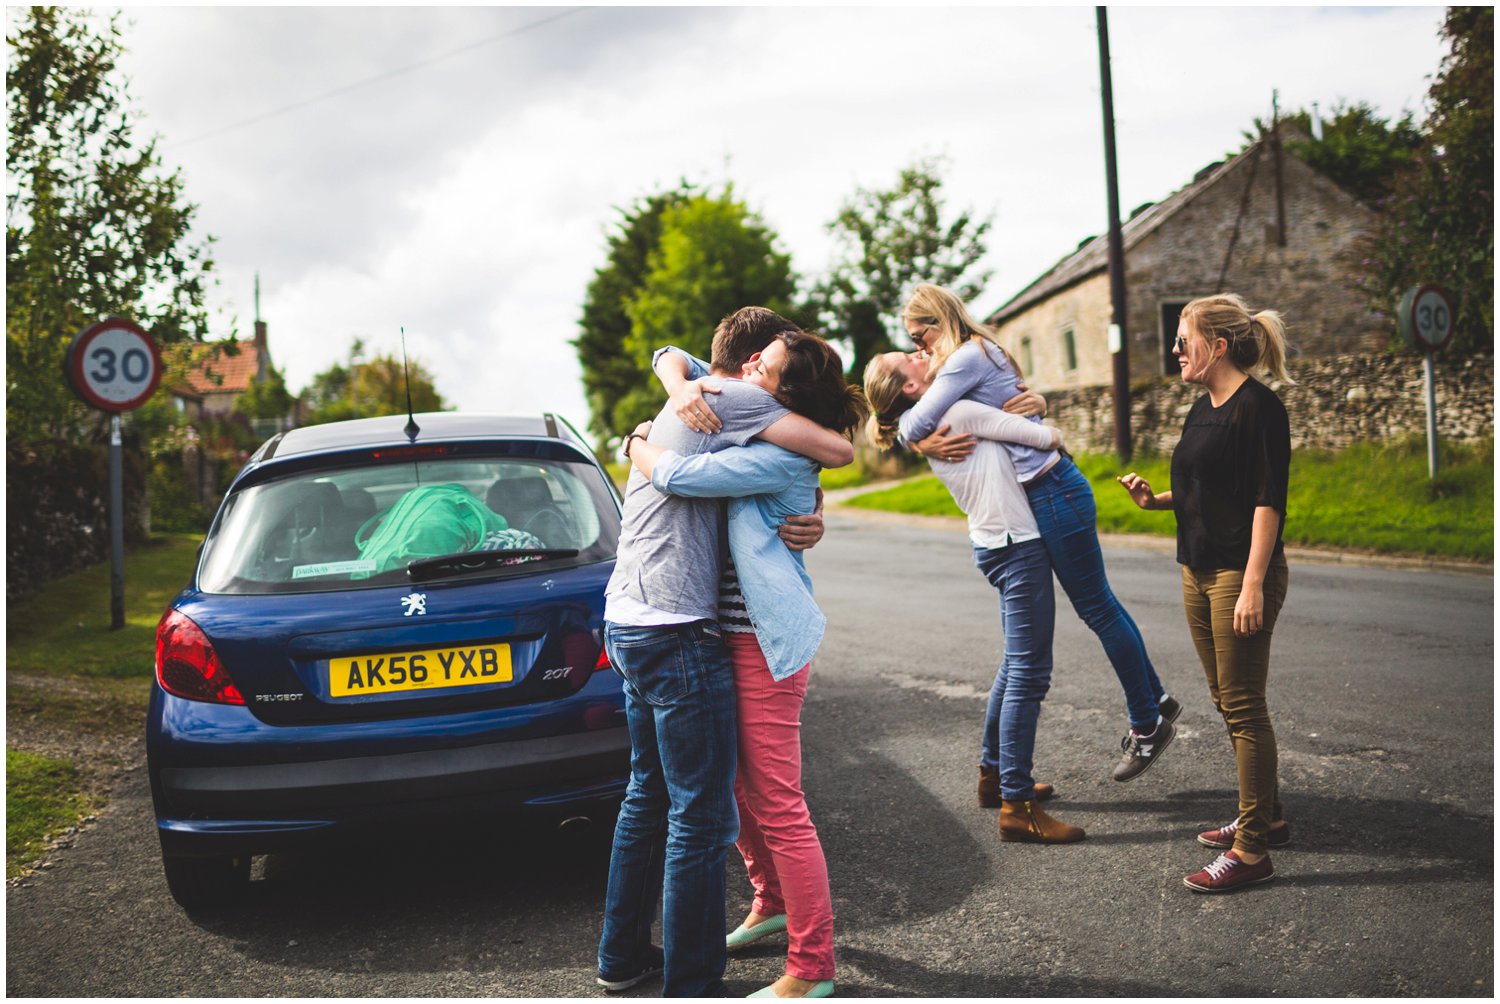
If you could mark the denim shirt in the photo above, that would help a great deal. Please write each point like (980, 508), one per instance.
(765, 484)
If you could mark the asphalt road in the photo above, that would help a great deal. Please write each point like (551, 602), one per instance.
(1382, 696)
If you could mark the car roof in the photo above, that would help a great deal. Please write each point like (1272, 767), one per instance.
(389, 430)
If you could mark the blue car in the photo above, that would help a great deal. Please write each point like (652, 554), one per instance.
(387, 623)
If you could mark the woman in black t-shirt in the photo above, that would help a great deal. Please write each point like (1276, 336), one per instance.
(1229, 484)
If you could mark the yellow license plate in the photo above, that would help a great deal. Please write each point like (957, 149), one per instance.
(432, 669)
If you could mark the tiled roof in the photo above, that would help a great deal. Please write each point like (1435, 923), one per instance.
(211, 368)
(1093, 255)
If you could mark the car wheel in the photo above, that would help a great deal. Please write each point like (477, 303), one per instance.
(206, 883)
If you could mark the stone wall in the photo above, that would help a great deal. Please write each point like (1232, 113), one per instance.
(1336, 401)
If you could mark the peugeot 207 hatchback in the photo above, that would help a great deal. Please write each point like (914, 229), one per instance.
(387, 623)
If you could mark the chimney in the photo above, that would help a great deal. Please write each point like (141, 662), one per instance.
(262, 351)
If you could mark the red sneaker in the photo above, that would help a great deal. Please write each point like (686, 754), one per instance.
(1223, 837)
(1228, 873)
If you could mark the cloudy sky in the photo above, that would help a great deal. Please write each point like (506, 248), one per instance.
(456, 170)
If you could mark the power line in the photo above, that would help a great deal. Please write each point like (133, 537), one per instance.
(376, 79)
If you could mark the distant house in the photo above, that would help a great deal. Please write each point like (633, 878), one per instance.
(207, 378)
(1217, 234)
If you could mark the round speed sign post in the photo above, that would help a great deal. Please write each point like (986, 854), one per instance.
(1425, 317)
(114, 366)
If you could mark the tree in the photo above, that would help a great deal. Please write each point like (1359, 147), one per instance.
(94, 226)
(609, 370)
(1438, 225)
(1359, 150)
(266, 398)
(713, 257)
(368, 389)
(887, 242)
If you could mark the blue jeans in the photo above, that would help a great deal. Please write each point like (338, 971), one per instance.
(1028, 608)
(678, 819)
(1063, 504)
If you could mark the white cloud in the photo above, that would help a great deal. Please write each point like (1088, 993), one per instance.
(468, 199)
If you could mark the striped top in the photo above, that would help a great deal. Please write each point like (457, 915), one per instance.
(733, 616)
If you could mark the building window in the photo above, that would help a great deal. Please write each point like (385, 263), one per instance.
(1171, 313)
(1026, 365)
(1070, 350)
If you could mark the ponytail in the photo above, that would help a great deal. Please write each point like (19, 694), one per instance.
(1269, 330)
(883, 383)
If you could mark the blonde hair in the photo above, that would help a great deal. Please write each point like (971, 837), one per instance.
(1257, 339)
(940, 308)
(883, 383)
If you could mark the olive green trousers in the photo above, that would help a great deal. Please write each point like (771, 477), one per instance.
(1236, 669)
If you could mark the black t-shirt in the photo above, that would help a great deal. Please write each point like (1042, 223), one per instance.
(1230, 460)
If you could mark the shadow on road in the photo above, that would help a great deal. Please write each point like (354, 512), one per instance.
(465, 899)
(908, 978)
(1375, 832)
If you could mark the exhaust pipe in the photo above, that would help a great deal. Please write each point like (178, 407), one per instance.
(577, 826)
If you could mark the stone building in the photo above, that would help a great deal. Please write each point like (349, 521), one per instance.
(1218, 233)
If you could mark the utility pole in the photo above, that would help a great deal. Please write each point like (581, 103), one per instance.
(1119, 347)
(1276, 150)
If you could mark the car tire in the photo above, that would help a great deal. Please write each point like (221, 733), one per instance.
(206, 883)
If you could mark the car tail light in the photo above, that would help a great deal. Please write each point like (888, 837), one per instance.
(188, 666)
(603, 662)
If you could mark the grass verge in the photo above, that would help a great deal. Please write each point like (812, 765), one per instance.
(42, 798)
(64, 630)
(1374, 498)
(76, 691)
(851, 476)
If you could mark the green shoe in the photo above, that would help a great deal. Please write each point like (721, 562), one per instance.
(823, 988)
(742, 935)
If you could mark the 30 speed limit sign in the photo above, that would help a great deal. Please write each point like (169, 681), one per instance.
(114, 365)
(1425, 317)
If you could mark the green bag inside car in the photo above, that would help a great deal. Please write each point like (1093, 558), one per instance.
(426, 522)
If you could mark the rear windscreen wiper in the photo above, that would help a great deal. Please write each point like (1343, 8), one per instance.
(469, 561)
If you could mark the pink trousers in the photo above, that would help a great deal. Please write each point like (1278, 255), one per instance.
(777, 838)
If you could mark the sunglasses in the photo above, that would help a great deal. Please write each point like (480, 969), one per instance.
(916, 336)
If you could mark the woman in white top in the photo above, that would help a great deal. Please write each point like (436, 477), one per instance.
(1009, 552)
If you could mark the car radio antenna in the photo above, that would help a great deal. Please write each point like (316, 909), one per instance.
(412, 428)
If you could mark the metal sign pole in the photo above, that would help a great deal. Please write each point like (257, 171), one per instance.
(114, 366)
(116, 527)
(1432, 450)
(1425, 318)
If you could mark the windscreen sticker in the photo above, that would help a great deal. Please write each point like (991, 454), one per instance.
(333, 568)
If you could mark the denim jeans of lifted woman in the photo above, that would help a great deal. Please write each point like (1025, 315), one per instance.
(1063, 504)
(1023, 576)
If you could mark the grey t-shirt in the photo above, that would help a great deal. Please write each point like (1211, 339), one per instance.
(671, 551)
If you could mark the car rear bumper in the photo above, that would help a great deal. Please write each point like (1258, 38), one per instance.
(265, 807)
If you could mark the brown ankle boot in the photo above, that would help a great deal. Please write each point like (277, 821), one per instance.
(989, 789)
(1025, 822)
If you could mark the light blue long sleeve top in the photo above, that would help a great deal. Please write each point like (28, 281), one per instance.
(976, 371)
(764, 485)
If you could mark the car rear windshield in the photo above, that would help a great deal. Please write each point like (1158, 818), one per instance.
(360, 526)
